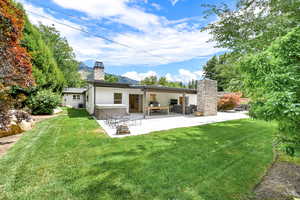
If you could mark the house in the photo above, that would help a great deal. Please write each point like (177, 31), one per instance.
(104, 98)
(74, 97)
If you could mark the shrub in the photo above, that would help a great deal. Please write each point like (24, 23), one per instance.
(44, 102)
(228, 102)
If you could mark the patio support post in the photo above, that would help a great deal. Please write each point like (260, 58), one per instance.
(144, 103)
(183, 104)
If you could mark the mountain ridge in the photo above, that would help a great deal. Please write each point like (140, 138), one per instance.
(86, 73)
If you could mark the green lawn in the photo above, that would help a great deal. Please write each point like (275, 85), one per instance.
(68, 157)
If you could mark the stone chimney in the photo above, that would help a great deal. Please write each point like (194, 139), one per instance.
(99, 73)
(207, 97)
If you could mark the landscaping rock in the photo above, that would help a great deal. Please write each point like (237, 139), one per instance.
(57, 110)
(26, 125)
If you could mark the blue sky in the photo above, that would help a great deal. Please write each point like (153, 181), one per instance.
(152, 37)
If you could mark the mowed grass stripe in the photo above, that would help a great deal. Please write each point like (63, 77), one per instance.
(67, 158)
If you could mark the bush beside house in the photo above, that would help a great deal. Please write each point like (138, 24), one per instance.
(44, 102)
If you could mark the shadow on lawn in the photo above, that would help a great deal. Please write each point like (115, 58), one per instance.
(78, 113)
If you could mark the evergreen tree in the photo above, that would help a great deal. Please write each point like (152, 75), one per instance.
(63, 55)
(44, 66)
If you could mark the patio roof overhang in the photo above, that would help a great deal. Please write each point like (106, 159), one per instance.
(148, 88)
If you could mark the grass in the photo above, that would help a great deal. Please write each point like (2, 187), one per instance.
(68, 157)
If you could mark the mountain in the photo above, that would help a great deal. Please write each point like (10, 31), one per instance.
(86, 72)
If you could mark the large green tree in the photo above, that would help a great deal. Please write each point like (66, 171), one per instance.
(63, 54)
(153, 80)
(253, 24)
(223, 69)
(272, 80)
(250, 27)
(45, 70)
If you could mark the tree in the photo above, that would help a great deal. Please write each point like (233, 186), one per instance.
(63, 55)
(111, 78)
(15, 65)
(45, 69)
(151, 80)
(254, 24)
(192, 84)
(223, 69)
(210, 68)
(163, 81)
(272, 81)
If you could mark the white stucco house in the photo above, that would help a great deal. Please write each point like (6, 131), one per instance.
(103, 98)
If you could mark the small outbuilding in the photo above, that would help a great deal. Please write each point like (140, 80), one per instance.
(74, 97)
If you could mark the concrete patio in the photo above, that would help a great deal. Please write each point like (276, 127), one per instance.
(165, 122)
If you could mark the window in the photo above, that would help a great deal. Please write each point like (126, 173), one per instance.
(117, 98)
(152, 97)
(76, 96)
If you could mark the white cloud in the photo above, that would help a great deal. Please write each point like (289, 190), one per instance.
(116, 10)
(173, 2)
(156, 6)
(164, 41)
(139, 76)
(183, 75)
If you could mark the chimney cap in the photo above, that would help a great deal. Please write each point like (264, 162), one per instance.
(99, 64)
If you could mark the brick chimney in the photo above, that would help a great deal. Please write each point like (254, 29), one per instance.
(99, 73)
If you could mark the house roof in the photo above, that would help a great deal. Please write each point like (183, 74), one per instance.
(150, 88)
(74, 90)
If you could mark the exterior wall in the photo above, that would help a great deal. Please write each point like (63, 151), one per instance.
(207, 97)
(106, 95)
(90, 99)
(67, 100)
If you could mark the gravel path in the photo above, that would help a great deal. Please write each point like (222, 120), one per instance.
(282, 182)
(7, 142)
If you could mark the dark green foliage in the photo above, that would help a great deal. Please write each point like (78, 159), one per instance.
(254, 24)
(224, 70)
(63, 55)
(111, 78)
(44, 102)
(272, 80)
(68, 157)
(249, 28)
(192, 84)
(153, 80)
(210, 68)
(44, 67)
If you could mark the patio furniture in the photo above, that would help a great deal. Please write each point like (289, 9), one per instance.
(188, 109)
(136, 120)
(150, 109)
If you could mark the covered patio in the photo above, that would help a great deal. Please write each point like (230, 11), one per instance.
(164, 122)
